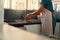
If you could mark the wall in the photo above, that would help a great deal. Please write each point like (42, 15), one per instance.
(1, 13)
(1, 17)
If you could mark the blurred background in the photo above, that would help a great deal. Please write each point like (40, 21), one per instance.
(11, 10)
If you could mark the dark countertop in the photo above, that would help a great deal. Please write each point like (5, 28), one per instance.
(19, 23)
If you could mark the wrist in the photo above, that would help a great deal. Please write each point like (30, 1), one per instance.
(34, 13)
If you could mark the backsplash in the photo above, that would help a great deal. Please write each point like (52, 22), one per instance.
(12, 15)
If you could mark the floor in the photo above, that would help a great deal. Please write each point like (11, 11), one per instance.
(13, 33)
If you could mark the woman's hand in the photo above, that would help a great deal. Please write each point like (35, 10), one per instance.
(28, 16)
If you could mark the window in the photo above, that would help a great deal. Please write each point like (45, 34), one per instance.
(7, 4)
(21, 4)
(32, 4)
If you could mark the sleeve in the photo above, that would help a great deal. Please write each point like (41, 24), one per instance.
(44, 2)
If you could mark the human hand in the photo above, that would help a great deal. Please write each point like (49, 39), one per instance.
(28, 16)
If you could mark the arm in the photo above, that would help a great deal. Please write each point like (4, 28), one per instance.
(40, 9)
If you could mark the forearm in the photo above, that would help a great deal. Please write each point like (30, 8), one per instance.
(40, 9)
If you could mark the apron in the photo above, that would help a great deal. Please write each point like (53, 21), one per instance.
(46, 20)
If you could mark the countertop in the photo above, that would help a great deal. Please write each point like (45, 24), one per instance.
(13, 33)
